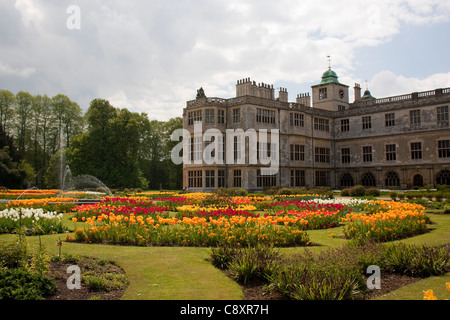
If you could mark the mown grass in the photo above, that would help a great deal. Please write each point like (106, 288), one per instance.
(414, 291)
(183, 273)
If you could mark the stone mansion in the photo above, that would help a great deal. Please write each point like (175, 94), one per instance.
(322, 139)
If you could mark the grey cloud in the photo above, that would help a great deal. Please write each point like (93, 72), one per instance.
(151, 56)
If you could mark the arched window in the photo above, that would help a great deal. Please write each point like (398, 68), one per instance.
(346, 180)
(392, 179)
(443, 178)
(418, 180)
(369, 180)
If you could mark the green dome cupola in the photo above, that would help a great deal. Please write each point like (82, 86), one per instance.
(329, 76)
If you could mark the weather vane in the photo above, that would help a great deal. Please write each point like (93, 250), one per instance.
(329, 62)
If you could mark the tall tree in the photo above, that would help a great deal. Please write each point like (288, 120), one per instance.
(109, 148)
(175, 172)
(60, 107)
(40, 123)
(73, 122)
(11, 173)
(155, 157)
(23, 106)
(7, 101)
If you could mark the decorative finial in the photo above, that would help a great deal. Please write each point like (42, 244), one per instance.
(201, 93)
(329, 62)
(367, 86)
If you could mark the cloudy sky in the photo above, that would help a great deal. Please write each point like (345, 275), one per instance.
(152, 56)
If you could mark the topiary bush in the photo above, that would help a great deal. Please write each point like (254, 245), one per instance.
(447, 208)
(373, 192)
(358, 191)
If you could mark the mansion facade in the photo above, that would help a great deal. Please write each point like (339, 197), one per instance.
(319, 140)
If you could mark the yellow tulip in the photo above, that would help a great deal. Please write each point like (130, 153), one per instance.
(429, 295)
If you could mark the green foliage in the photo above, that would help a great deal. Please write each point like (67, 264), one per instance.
(40, 260)
(17, 280)
(416, 261)
(221, 256)
(358, 191)
(105, 282)
(231, 192)
(285, 191)
(21, 284)
(109, 149)
(332, 275)
(373, 192)
(13, 256)
(54, 171)
(247, 264)
(393, 195)
(447, 208)
(13, 169)
(155, 154)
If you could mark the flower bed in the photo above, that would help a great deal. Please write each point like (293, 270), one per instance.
(210, 220)
(49, 204)
(282, 223)
(386, 221)
(196, 231)
(119, 206)
(33, 221)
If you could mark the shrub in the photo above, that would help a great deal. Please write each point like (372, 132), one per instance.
(252, 263)
(358, 191)
(416, 261)
(105, 282)
(345, 192)
(409, 195)
(221, 256)
(21, 284)
(429, 196)
(393, 195)
(439, 196)
(447, 208)
(284, 191)
(271, 190)
(13, 256)
(241, 192)
(331, 275)
(373, 192)
(218, 199)
(420, 195)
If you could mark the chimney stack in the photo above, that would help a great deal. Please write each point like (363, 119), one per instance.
(357, 89)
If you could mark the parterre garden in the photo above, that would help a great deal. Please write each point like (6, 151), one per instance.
(289, 246)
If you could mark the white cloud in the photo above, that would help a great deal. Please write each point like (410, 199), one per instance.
(386, 83)
(30, 13)
(20, 72)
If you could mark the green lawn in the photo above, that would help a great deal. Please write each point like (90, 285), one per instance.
(178, 273)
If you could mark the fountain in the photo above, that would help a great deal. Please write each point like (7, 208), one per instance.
(85, 183)
(28, 190)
